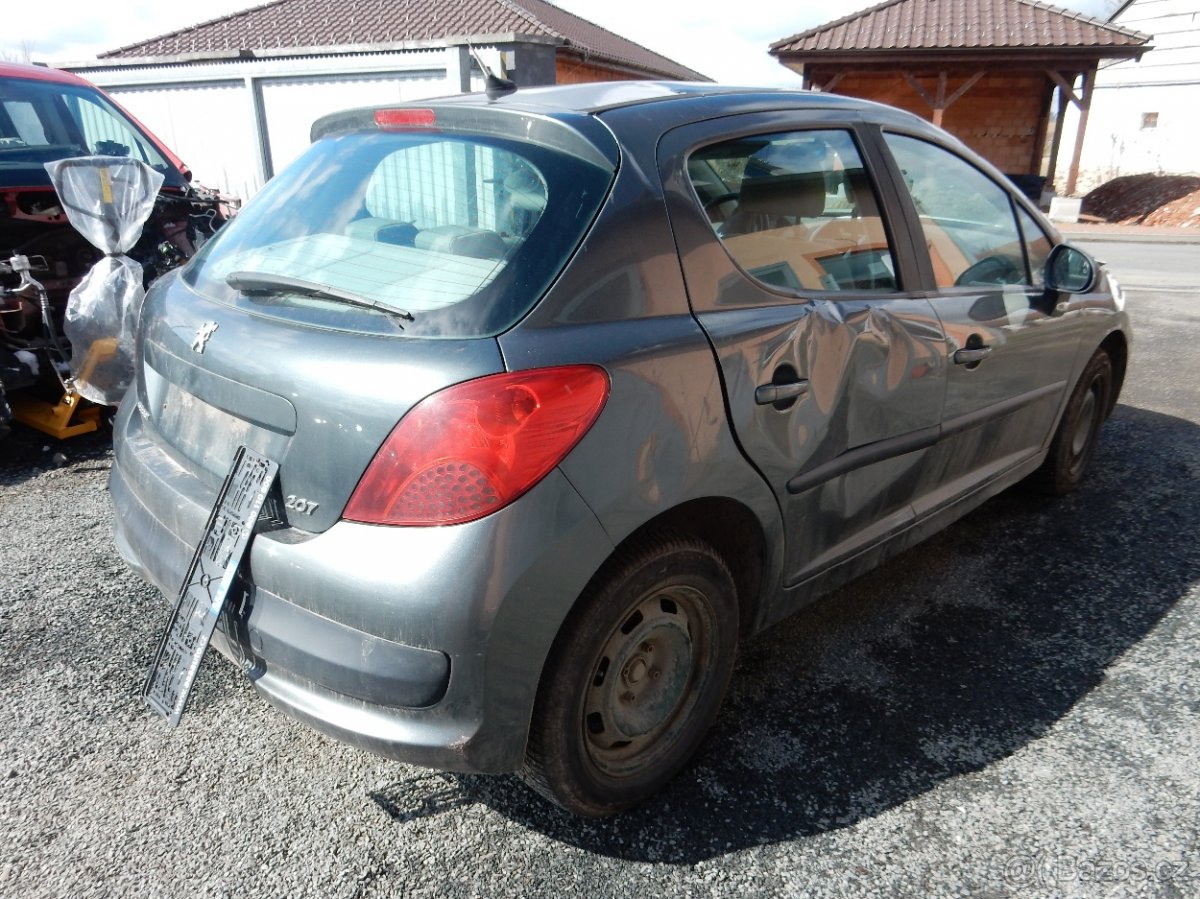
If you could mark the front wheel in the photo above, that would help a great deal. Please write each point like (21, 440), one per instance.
(1078, 431)
(635, 679)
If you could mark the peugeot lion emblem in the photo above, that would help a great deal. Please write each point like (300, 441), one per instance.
(203, 333)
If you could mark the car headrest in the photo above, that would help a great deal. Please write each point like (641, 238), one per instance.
(462, 241)
(792, 194)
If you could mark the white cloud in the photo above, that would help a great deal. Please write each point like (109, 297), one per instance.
(72, 30)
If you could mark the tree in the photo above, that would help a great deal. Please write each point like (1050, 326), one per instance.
(21, 52)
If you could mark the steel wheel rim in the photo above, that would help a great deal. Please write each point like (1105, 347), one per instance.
(650, 672)
(1085, 424)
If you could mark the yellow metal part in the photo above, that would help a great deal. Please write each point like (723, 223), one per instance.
(69, 417)
(99, 352)
(72, 415)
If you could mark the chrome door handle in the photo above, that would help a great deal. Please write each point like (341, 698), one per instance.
(971, 355)
(766, 394)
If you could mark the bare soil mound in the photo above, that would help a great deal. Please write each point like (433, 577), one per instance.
(1147, 200)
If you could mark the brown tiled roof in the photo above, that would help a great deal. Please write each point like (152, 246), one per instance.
(913, 25)
(330, 23)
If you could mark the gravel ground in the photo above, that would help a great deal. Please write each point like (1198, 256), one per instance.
(1009, 709)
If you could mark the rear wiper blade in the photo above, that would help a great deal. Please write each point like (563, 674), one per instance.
(259, 282)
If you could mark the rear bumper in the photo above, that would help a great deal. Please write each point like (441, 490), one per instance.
(420, 644)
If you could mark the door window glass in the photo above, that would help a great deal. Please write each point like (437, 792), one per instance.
(26, 128)
(967, 218)
(796, 210)
(105, 133)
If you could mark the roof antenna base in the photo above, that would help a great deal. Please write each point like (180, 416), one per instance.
(494, 86)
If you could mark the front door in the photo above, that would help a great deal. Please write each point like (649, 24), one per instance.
(1011, 347)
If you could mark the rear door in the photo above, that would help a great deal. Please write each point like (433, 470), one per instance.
(1011, 346)
(834, 370)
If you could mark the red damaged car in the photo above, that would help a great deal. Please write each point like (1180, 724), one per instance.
(48, 115)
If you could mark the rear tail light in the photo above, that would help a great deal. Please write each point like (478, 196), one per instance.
(471, 449)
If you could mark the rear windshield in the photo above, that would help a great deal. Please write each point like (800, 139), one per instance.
(446, 235)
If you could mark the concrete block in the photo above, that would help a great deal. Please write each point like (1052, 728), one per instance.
(1065, 209)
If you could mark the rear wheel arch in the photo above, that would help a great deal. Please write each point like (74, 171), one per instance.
(735, 534)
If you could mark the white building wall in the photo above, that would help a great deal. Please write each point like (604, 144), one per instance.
(293, 104)
(237, 122)
(1145, 116)
(194, 121)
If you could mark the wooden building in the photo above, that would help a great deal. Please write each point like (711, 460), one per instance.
(985, 70)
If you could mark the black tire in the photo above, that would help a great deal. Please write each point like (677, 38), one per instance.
(635, 678)
(1078, 431)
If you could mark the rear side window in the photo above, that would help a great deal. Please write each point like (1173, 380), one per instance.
(462, 233)
(968, 219)
(796, 211)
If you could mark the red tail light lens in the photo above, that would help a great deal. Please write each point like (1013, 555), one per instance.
(471, 449)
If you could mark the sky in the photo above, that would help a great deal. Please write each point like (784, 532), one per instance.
(702, 36)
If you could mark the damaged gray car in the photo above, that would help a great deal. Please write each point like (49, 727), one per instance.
(572, 391)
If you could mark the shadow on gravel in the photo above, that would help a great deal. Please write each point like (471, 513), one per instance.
(24, 453)
(950, 658)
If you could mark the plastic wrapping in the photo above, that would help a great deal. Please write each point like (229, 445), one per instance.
(107, 199)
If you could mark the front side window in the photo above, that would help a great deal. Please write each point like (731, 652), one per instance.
(796, 211)
(967, 218)
(1037, 245)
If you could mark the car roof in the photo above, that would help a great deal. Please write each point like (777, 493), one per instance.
(677, 102)
(39, 73)
(601, 96)
(597, 98)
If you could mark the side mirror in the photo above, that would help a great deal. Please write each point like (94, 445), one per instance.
(1070, 270)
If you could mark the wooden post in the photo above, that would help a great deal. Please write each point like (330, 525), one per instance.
(1043, 126)
(1055, 144)
(1089, 81)
(828, 86)
(1066, 94)
(941, 102)
(939, 107)
(921, 92)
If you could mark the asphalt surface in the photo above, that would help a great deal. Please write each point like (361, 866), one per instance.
(1010, 709)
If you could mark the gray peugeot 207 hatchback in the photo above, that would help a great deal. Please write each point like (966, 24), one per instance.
(572, 390)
